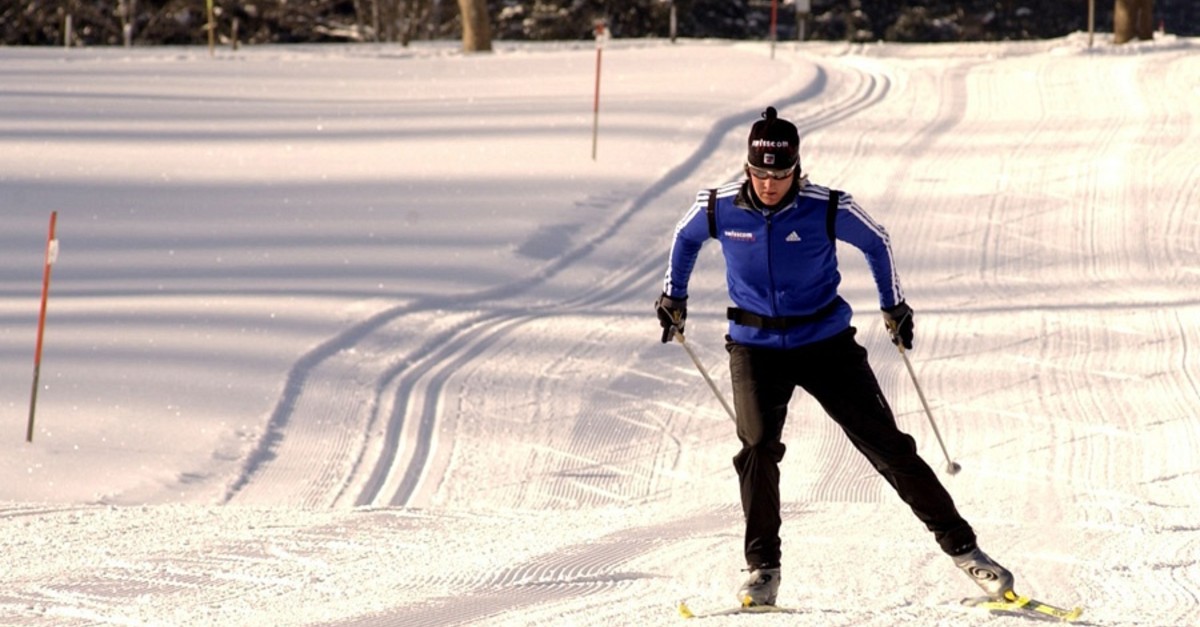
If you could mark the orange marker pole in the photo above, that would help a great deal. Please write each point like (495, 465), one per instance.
(51, 257)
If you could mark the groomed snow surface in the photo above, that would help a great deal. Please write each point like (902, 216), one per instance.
(358, 335)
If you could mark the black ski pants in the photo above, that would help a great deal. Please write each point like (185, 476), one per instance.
(836, 373)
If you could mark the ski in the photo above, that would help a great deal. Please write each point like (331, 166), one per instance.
(686, 612)
(1015, 604)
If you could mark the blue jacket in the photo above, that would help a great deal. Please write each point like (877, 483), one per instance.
(783, 263)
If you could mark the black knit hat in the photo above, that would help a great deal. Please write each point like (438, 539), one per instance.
(774, 143)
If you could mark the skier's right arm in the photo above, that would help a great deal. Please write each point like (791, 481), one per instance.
(690, 234)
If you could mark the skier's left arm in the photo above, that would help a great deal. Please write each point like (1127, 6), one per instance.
(857, 228)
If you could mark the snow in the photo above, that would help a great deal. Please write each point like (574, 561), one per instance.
(362, 335)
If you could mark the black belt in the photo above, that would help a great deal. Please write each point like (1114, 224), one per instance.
(781, 323)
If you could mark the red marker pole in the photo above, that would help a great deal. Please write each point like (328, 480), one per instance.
(601, 37)
(51, 257)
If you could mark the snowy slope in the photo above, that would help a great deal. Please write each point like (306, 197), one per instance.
(363, 335)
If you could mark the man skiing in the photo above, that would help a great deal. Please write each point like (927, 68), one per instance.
(789, 328)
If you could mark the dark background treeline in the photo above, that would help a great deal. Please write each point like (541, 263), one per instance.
(148, 22)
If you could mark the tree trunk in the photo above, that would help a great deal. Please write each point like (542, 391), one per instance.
(1145, 20)
(477, 30)
(1133, 18)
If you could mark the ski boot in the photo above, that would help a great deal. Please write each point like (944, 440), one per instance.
(995, 579)
(760, 588)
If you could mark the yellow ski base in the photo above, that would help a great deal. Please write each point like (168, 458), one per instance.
(1015, 603)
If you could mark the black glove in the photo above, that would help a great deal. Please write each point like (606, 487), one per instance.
(899, 320)
(672, 312)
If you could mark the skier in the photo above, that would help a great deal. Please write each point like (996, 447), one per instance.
(789, 329)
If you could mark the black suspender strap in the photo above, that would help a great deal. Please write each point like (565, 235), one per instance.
(712, 213)
(831, 215)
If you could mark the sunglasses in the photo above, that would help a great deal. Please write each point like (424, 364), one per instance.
(764, 173)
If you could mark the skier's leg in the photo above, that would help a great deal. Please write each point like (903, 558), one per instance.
(760, 401)
(839, 376)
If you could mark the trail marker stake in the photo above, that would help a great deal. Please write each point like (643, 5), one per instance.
(774, 22)
(51, 257)
(601, 38)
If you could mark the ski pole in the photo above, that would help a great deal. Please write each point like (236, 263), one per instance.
(952, 466)
(696, 360)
